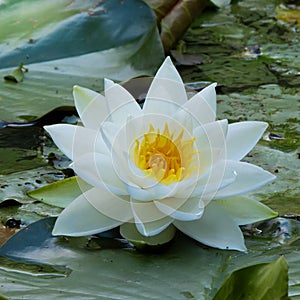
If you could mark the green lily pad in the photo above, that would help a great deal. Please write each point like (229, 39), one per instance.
(262, 282)
(60, 193)
(16, 185)
(10, 260)
(96, 271)
(104, 39)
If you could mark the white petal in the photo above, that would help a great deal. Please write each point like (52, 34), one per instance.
(74, 141)
(148, 219)
(211, 141)
(181, 209)
(120, 102)
(215, 229)
(242, 137)
(157, 191)
(209, 94)
(167, 92)
(81, 218)
(197, 111)
(109, 204)
(91, 107)
(108, 84)
(183, 189)
(97, 169)
(246, 211)
(212, 180)
(248, 177)
(109, 131)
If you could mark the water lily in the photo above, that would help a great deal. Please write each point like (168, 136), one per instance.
(170, 163)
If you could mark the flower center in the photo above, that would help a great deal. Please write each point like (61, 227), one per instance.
(164, 157)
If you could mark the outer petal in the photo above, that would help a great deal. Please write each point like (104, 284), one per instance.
(167, 92)
(81, 218)
(215, 229)
(242, 137)
(74, 141)
(181, 209)
(109, 131)
(91, 107)
(248, 177)
(246, 211)
(209, 94)
(120, 103)
(198, 110)
(111, 205)
(148, 219)
(210, 141)
(211, 181)
(97, 169)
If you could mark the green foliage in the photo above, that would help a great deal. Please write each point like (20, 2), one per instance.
(78, 267)
(63, 43)
(268, 281)
(60, 193)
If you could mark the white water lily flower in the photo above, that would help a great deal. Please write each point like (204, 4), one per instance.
(168, 163)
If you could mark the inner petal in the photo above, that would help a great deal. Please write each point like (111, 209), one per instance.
(164, 156)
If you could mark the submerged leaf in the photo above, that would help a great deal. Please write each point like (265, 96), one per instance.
(266, 281)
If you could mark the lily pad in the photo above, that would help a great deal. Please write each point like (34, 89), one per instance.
(104, 39)
(60, 193)
(16, 185)
(261, 282)
(96, 272)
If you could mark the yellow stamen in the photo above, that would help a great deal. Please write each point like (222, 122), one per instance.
(168, 160)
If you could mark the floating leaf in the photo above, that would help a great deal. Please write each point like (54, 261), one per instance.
(99, 269)
(60, 193)
(32, 268)
(56, 115)
(266, 281)
(17, 254)
(15, 185)
(113, 39)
